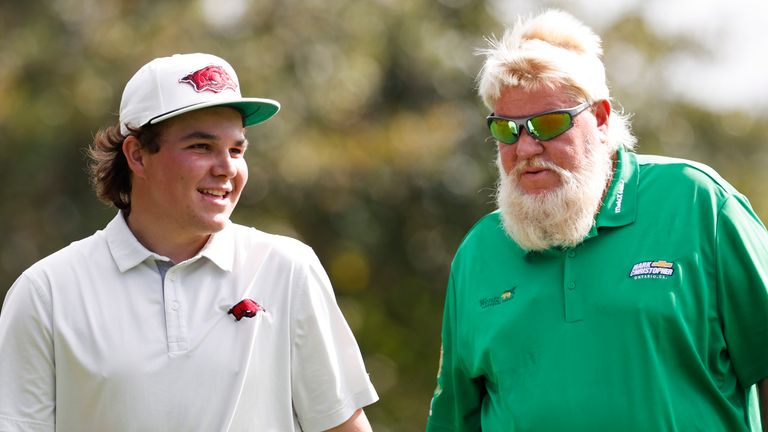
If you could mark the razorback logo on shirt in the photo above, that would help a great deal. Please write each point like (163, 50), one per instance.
(659, 269)
(245, 309)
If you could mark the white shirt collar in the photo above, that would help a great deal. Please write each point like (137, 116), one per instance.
(128, 252)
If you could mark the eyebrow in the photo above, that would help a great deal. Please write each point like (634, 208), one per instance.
(201, 135)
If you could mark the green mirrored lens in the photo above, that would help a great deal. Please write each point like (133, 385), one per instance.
(504, 131)
(548, 126)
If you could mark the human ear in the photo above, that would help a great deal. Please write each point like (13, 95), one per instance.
(134, 155)
(602, 117)
(602, 113)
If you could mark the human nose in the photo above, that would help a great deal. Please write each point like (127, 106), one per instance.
(527, 146)
(225, 165)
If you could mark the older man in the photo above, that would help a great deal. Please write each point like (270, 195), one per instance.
(173, 318)
(611, 291)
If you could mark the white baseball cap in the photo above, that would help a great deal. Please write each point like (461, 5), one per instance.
(170, 86)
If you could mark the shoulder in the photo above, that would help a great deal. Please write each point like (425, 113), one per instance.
(683, 182)
(39, 280)
(252, 240)
(487, 227)
(85, 252)
(487, 236)
(694, 191)
(675, 172)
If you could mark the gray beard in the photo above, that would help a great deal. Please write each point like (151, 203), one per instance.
(559, 218)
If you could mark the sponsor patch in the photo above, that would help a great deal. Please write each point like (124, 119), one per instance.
(504, 297)
(660, 269)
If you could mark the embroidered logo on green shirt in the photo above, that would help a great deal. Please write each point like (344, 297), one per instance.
(506, 296)
(660, 269)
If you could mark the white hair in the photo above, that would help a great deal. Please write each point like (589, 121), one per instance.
(551, 50)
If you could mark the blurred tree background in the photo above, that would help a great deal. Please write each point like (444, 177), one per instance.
(379, 158)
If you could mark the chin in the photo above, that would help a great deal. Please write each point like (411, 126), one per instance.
(538, 191)
(214, 224)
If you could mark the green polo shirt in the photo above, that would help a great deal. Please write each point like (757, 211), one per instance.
(658, 321)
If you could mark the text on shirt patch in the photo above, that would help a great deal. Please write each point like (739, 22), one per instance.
(506, 296)
(619, 196)
(652, 270)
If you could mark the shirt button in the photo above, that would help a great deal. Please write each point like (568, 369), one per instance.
(175, 306)
(571, 254)
(172, 276)
(571, 286)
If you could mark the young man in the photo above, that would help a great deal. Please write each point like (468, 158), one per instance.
(173, 318)
(610, 291)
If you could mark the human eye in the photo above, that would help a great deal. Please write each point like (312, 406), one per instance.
(237, 151)
(199, 146)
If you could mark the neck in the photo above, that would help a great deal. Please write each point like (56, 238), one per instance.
(164, 240)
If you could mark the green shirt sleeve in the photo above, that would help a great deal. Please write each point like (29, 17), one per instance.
(458, 398)
(742, 279)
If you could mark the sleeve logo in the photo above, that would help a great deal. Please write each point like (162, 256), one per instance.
(660, 269)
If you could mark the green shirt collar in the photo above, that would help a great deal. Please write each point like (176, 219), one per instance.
(620, 202)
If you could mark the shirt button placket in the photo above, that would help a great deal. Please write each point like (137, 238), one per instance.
(173, 315)
(572, 296)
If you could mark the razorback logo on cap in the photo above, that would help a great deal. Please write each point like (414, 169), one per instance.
(245, 308)
(210, 78)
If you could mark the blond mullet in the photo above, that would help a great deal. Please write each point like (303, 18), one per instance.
(550, 50)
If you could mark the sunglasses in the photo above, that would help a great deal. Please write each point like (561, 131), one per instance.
(542, 127)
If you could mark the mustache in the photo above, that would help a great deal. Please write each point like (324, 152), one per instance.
(537, 162)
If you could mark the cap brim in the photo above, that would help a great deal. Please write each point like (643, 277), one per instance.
(254, 110)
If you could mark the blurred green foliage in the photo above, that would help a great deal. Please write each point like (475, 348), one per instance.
(379, 158)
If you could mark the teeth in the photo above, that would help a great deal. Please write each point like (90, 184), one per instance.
(213, 192)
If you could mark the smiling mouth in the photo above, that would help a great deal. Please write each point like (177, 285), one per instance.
(214, 193)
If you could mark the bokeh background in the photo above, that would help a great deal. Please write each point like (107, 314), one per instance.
(379, 158)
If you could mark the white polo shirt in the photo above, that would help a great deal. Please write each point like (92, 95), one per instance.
(91, 339)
